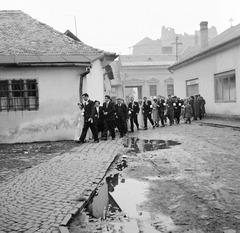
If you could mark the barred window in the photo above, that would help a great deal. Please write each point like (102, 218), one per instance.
(19, 95)
(225, 87)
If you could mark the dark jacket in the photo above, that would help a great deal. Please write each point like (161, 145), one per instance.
(110, 110)
(133, 108)
(89, 110)
(98, 115)
(121, 111)
(147, 107)
(161, 105)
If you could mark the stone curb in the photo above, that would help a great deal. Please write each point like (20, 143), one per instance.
(63, 228)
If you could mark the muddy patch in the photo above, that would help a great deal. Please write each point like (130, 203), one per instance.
(136, 145)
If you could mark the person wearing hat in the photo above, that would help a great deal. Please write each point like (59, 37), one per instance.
(89, 112)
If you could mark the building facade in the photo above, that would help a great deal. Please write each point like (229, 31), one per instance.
(212, 71)
(43, 74)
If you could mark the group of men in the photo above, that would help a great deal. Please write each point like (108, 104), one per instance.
(103, 120)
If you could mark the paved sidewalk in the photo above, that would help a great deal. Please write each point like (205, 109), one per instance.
(44, 197)
(221, 121)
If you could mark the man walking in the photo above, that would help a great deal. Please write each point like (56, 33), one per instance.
(88, 119)
(121, 116)
(170, 110)
(98, 117)
(108, 118)
(161, 105)
(133, 108)
(147, 112)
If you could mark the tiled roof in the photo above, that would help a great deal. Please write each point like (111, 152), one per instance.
(22, 35)
(233, 33)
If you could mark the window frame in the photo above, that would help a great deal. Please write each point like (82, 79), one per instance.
(155, 86)
(225, 75)
(19, 96)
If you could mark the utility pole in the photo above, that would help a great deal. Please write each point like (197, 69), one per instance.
(75, 21)
(231, 20)
(177, 44)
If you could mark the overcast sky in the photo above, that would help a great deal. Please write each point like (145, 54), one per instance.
(116, 25)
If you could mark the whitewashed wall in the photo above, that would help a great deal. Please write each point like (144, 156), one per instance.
(58, 112)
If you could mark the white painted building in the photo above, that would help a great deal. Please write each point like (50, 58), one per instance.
(213, 71)
(43, 74)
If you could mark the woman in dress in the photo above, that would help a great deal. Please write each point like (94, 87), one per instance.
(140, 115)
(155, 113)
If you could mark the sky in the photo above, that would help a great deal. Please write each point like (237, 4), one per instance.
(117, 25)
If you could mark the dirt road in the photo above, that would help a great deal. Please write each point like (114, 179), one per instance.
(186, 178)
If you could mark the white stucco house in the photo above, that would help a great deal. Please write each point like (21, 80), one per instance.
(213, 71)
(42, 75)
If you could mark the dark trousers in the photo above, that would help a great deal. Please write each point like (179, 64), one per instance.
(177, 116)
(162, 117)
(108, 125)
(171, 116)
(121, 124)
(134, 119)
(147, 116)
(99, 125)
(93, 128)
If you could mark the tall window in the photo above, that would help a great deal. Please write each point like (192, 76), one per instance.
(153, 90)
(18, 95)
(170, 89)
(225, 87)
(192, 87)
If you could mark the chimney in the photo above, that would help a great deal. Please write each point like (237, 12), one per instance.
(204, 34)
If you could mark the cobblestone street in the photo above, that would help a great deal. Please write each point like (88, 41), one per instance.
(44, 197)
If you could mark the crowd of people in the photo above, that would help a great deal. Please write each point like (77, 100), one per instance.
(98, 121)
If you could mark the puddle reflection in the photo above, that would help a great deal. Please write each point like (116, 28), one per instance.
(141, 145)
(119, 200)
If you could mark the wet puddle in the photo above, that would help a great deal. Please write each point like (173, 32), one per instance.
(142, 145)
(118, 203)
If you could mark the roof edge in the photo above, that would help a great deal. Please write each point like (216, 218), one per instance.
(203, 53)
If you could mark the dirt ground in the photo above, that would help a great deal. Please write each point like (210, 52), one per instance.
(192, 174)
(194, 183)
(16, 158)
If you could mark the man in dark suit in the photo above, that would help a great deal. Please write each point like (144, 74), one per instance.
(88, 119)
(121, 116)
(98, 117)
(108, 117)
(133, 108)
(147, 112)
(161, 106)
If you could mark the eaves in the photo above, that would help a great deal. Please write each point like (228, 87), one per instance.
(205, 53)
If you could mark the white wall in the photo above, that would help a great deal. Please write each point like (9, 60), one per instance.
(57, 116)
(204, 70)
(93, 83)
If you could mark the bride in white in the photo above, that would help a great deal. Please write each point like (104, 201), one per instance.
(80, 125)
(140, 115)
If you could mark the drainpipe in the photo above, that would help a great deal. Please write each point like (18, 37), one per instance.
(81, 83)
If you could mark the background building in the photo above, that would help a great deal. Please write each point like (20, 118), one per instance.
(144, 72)
(212, 70)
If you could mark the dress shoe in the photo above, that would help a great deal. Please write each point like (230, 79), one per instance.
(96, 141)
